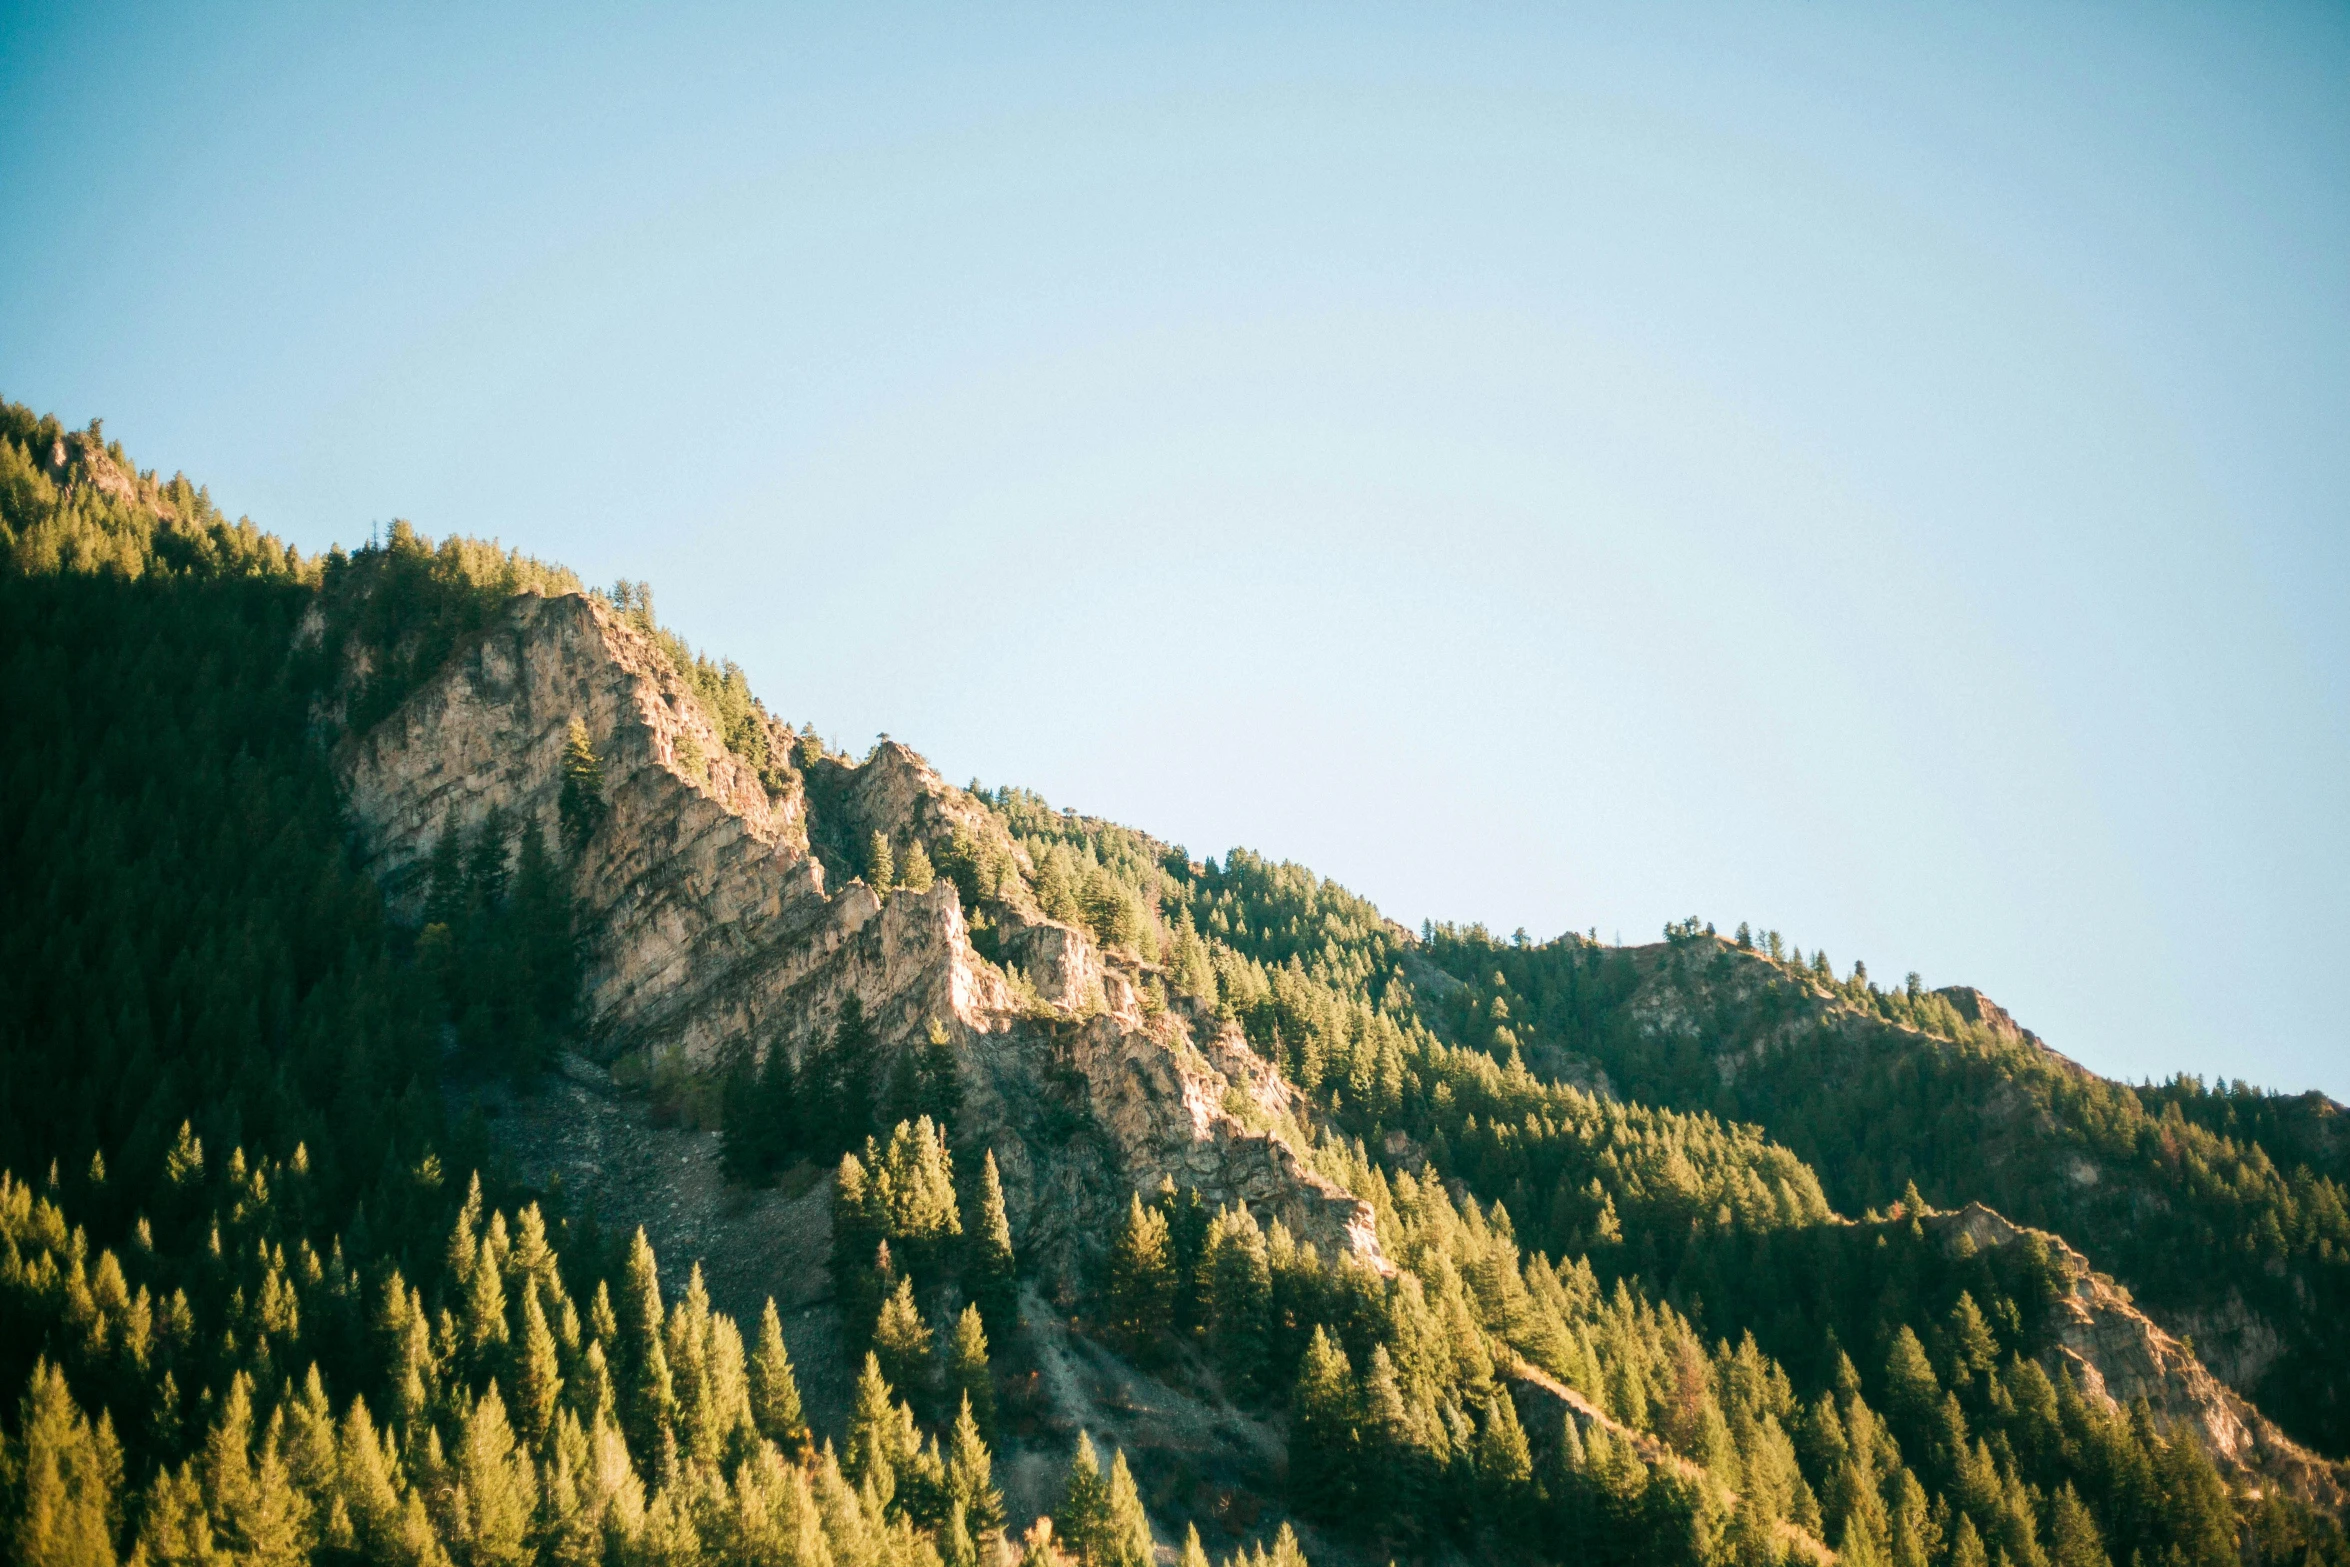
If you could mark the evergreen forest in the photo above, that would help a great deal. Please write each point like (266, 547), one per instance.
(267, 1297)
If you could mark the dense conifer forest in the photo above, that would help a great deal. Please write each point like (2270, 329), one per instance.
(262, 1299)
(1878, 1089)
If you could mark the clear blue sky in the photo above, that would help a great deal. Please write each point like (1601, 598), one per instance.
(1880, 472)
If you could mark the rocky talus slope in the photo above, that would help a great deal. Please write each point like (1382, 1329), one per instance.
(713, 929)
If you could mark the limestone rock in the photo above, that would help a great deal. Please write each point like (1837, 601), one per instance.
(711, 929)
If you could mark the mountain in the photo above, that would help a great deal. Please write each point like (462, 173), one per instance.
(481, 1087)
(1877, 1091)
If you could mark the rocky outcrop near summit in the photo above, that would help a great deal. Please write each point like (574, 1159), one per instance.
(713, 929)
(1874, 1089)
(2118, 1354)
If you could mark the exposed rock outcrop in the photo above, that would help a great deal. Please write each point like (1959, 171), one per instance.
(711, 929)
(1809, 1061)
(2118, 1354)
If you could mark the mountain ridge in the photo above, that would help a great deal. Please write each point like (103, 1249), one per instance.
(437, 746)
(1285, 1182)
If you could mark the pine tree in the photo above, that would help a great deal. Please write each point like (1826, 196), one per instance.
(956, 1547)
(901, 1101)
(968, 1377)
(1193, 1554)
(970, 1475)
(1971, 1349)
(1239, 1301)
(175, 1529)
(581, 809)
(777, 1113)
(543, 982)
(489, 862)
(688, 1341)
(901, 1339)
(650, 1401)
(1915, 1541)
(1856, 1547)
(257, 1515)
(1126, 1539)
(1189, 969)
(743, 1140)
(941, 1094)
(1083, 1520)
(916, 875)
(1142, 1276)
(1966, 1546)
(538, 1380)
(310, 1439)
(65, 1479)
(913, 1197)
(775, 1391)
(862, 1274)
(366, 1469)
(879, 1432)
(500, 1485)
(1323, 1424)
(2073, 1537)
(485, 1313)
(845, 1098)
(444, 881)
(881, 872)
(1505, 1466)
(989, 1271)
(733, 1428)
(1912, 1395)
(1392, 1449)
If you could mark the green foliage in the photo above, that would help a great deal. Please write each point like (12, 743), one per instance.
(724, 692)
(989, 1270)
(968, 1380)
(896, 1230)
(1082, 1521)
(2185, 1194)
(185, 939)
(775, 1390)
(1141, 1286)
(227, 1353)
(901, 1341)
(394, 612)
(582, 807)
(762, 1119)
(498, 945)
(246, 1384)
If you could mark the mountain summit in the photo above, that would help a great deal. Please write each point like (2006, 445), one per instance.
(481, 1087)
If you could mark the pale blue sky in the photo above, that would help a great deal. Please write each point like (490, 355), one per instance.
(1879, 472)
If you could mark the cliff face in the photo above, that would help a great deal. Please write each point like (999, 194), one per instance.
(712, 929)
(2118, 1354)
(713, 926)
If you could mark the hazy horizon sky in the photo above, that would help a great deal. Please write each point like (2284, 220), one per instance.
(1879, 473)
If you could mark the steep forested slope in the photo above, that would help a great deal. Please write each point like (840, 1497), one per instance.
(2223, 1211)
(264, 1310)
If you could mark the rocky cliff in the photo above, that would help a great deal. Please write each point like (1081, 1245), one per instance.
(2120, 1355)
(719, 918)
(713, 927)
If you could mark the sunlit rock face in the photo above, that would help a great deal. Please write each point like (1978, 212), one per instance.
(710, 930)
